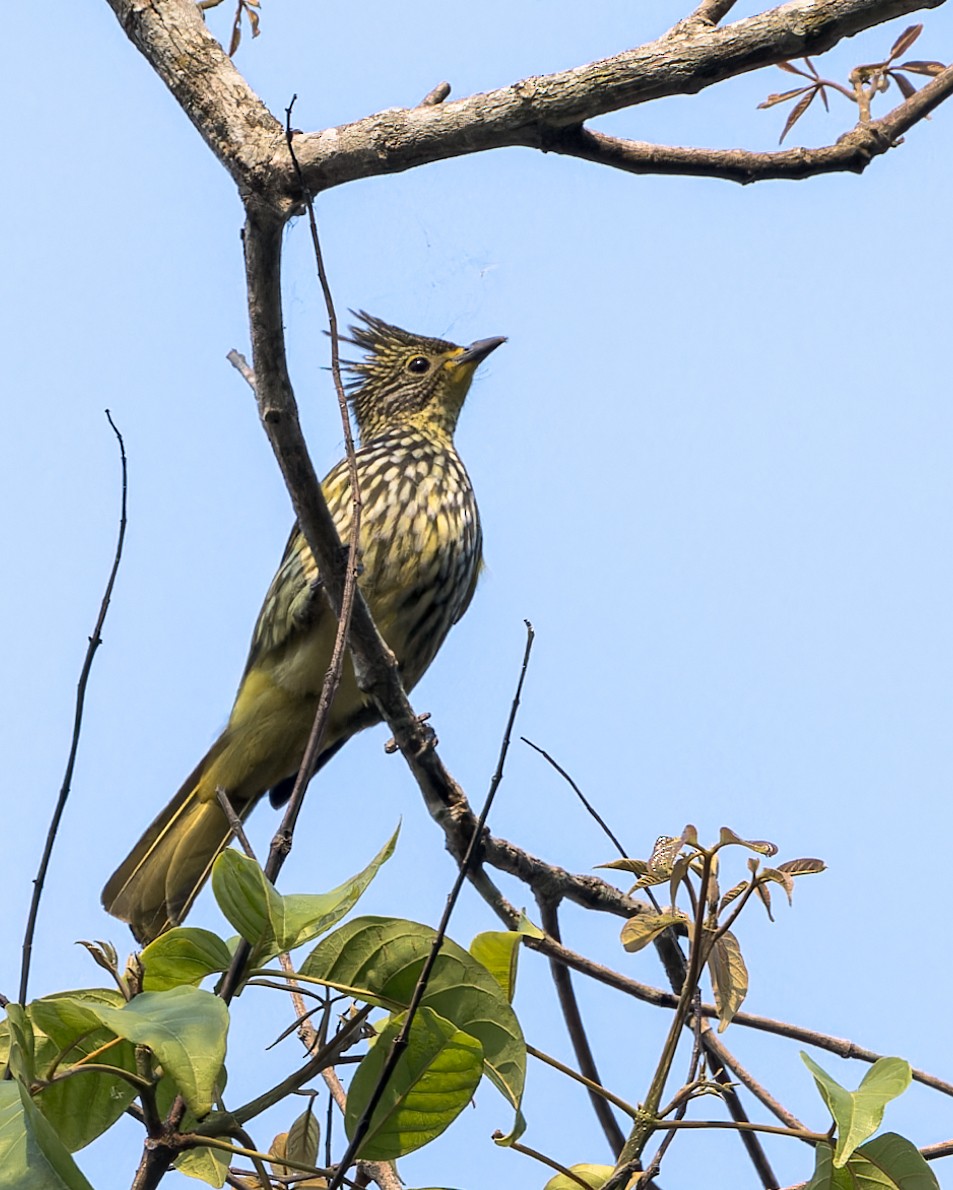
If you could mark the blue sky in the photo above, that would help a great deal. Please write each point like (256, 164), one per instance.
(713, 465)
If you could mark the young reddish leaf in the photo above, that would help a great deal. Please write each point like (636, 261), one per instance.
(690, 836)
(639, 931)
(783, 97)
(776, 876)
(762, 846)
(638, 867)
(732, 894)
(792, 69)
(799, 110)
(679, 872)
(729, 978)
(802, 867)
(906, 87)
(764, 894)
(930, 68)
(905, 41)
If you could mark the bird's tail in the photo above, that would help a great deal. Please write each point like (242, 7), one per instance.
(156, 883)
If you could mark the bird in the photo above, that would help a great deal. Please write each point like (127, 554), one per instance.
(420, 558)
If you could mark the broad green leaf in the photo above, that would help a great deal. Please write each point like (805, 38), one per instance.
(247, 898)
(300, 1143)
(205, 1164)
(32, 1157)
(644, 928)
(274, 923)
(307, 916)
(83, 1106)
(379, 959)
(857, 1114)
(21, 1055)
(498, 951)
(888, 1162)
(891, 1161)
(729, 978)
(183, 955)
(186, 1029)
(593, 1176)
(432, 1083)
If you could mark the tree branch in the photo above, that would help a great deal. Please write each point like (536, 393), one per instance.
(852, 153)
(247, 139)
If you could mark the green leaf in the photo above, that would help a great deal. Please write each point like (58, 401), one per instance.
(592, 1175)
(729, 978)
(379, 959)
(433, 1082)
(21, 1056)
(273, 923)
(299, 1143)
(83, 1106)
(205, 1164)
(498, 951)
(644, 928)
(183, 955)
(506, 1141)
(186, 1029)
(247, 898)
(32, 1157)
(857, 1114)
(889, 1162)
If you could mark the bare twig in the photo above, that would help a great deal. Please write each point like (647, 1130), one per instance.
(723, 1056)
(577, 1031)
(234, 822)
(400, 1042)
(281, 844)
(94, 642)
(590, 808)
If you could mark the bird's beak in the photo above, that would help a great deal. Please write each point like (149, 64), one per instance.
(478, 351)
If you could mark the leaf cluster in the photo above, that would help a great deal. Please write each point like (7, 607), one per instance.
(866, 81)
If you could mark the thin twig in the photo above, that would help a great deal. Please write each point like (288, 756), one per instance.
(590, 808)
(94, 642)
(282, 841)
(572, 1015)
(400, 1042)
(234, 822)
(719, 1051)
(281, 845)
(595, 1087)
(749, 1138)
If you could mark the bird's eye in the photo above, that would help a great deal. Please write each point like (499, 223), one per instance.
(419, 364)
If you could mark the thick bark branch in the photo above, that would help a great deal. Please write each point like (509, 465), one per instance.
(249, 142)
(232, 120)
(852, 153)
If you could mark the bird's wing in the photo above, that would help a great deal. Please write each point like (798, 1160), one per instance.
(294, 602)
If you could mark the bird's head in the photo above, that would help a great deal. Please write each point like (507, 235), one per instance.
(406, 379)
